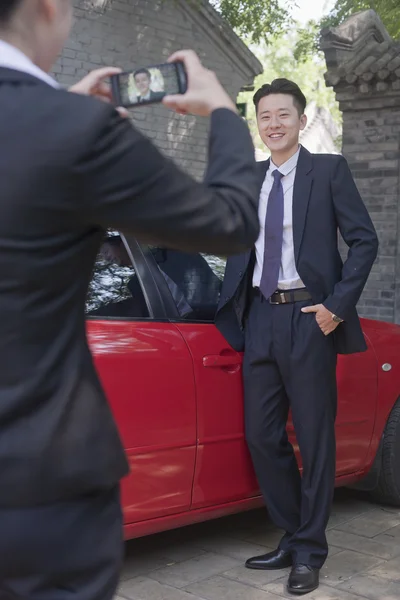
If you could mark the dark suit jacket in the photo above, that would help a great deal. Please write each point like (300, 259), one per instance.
(325, 200)
(154, 96)
(69, 168)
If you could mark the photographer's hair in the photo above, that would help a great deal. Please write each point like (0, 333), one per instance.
(282, 86)
(139, 71)
(7, 8)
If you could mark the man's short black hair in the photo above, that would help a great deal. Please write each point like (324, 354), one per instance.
(139, 71)
(7, 7)
(282, 86)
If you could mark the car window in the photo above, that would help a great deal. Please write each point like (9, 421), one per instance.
(194, 281)
(114, 289)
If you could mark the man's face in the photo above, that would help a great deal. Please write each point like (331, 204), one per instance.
(142, 81)
(279, 122)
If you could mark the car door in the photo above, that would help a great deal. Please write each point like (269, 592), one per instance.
(147, 373)
(357, 377)
(223, 472)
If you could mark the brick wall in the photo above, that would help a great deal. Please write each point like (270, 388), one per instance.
(132, 33)
(371, 144)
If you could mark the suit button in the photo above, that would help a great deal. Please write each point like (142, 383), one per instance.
(240, 273)
(227, 298)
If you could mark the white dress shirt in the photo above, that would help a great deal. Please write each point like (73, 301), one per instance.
(12, 58)
(146, 97)
(288, 277)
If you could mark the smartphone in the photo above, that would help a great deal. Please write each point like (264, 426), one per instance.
(148, 85)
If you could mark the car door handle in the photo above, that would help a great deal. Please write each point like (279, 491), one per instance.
(221, 361)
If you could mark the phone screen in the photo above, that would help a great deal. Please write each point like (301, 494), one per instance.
(147, 85)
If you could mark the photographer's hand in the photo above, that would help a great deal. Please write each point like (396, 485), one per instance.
(94, 85)
(205, 93)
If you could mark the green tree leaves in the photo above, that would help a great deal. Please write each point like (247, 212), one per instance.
(255, 20)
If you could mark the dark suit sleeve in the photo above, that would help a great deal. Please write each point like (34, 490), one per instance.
(358, 232)
(128, 184)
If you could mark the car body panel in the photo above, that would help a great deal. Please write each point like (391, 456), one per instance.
(146, 371)
(224, 471)
(386, 342)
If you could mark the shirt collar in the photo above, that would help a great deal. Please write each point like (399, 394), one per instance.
(288, 166)
(12, 58)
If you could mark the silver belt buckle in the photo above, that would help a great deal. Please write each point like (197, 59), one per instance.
(282, 297)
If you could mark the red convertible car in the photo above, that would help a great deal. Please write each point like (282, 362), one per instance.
(175, 389)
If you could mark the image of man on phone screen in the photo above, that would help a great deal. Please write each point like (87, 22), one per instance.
(142, 80)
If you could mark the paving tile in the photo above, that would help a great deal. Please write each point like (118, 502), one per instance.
(389, 569)
(265, 537)
(255, 577)
(143, 588)
(371, 523)
(324, 592)
(220, 588)
(141, 564)
(333, 550)
(393, 534)
(341, 516)
(201, 567)
(372, 587)
(236, 548)
(342, 512)
(351, 503)
(390, 509)
(179, 552)
(386, 548)
(346, 564)
(339, 519)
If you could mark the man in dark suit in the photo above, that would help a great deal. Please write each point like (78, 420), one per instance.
(142, 79)
(70, 167)
(291, 304)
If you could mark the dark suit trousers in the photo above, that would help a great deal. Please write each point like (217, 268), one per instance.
(290, 364)
(65, 551)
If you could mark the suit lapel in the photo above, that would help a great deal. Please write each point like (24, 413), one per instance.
(301, 197)
(262, 170)
(263, 167)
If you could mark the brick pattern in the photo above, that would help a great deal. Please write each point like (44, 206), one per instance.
(132, 33)
(371, 144)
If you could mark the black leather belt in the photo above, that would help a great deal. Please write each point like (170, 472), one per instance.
(285, 296)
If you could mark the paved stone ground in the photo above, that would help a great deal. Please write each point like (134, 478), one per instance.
(205, 561)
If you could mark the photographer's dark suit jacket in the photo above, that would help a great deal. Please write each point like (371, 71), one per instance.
(325, 200)
(69, 168)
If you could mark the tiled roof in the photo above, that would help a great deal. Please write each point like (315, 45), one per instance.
(360, 52)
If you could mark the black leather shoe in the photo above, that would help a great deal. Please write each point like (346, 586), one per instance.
(278, 559)
(303, 579)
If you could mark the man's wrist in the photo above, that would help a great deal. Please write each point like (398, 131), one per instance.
(224, 103)
(336, 319)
